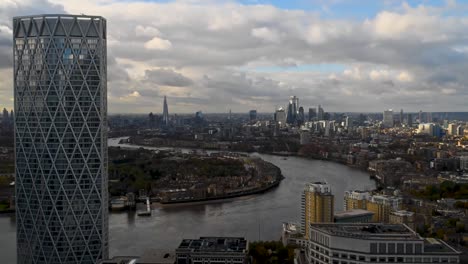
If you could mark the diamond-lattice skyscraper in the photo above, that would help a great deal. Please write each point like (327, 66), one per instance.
(60, 90)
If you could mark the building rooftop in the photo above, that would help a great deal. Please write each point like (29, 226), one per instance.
(319, 187)
(214, 244)
(432, 245)
(403, 213)
(157, 256)
(375, 231)
(352, 213)
(120, 260)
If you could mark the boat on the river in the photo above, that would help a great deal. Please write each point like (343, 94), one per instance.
(148, 209)
(118, 204)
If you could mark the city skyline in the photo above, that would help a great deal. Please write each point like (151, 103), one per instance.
(346, 55)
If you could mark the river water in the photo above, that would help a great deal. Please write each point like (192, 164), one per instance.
(254, 217)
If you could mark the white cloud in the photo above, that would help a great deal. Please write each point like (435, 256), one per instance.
(158, 44)
(266, 34)
(354, 73)
(379, 74)
(449, 91)
(147, 31)
(135, 94)
(206, 55)
(405, 76)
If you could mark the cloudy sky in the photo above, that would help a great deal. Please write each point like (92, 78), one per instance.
(347, 55)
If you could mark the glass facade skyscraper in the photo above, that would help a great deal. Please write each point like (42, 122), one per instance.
(60, 90)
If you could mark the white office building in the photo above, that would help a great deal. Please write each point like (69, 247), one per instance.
(374, 243)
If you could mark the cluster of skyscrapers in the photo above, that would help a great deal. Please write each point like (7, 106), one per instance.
(7, 119)
(294, 114)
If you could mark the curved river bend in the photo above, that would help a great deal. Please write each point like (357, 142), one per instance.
(254, 217)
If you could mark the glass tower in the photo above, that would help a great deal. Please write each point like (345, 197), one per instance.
(60, 91)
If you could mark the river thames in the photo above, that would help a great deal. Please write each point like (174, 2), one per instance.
(254, 217)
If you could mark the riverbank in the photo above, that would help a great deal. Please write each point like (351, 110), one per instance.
(284, 154)
(228, 196)
(186, 176)
(255, 217)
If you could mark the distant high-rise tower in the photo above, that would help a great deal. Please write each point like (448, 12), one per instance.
(293, 109)
(5, 119)
(280, 116)
(151, 119)
(320, 113)
(317, 205)
(429, 117)
(253, 115)
(349, 122)
(60, 91)
(296, 105)
(409, 120)
(388, 118)
(401, 117)
(165, 117)
(312, 114)
(420, 116)
(300, 115)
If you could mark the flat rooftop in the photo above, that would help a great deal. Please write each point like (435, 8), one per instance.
(214, 244)
(353, 213)
(375, 231)
(432, 245)
(157, 256)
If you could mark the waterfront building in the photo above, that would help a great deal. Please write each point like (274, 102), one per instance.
(60, 98)
(165, 117)
(382, 206)
(253, 115)
(292, 235)
(374, 243)
(228, 250)
(403, 217)
(317, 205)
(353, 216)
(388, 118)
(355, 200)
